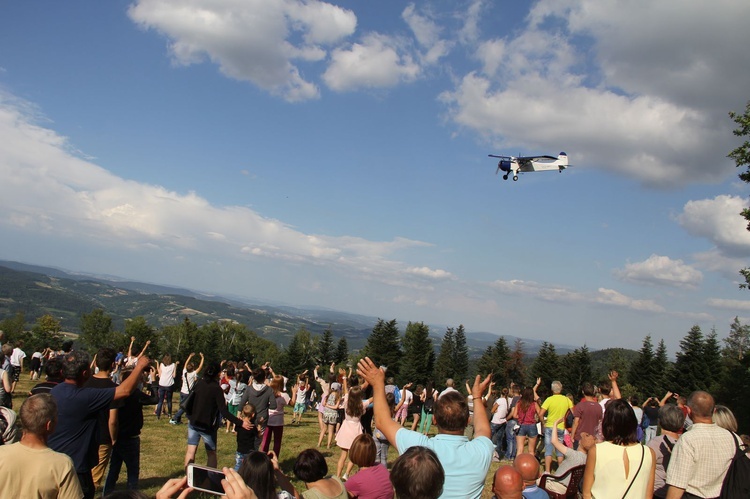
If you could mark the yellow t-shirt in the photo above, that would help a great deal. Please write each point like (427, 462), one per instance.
(556, 406)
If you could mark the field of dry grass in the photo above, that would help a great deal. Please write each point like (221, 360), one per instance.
(163, 447)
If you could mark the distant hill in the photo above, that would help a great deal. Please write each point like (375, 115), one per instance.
(36, 290)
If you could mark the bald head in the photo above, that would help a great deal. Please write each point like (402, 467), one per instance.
(527, 466)
(701, 404)
(507, 483)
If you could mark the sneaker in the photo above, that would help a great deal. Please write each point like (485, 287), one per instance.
(344, 477)
(172, 421)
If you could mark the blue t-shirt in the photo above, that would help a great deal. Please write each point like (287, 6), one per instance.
(534, 492)
(465, 461)
(77, 418)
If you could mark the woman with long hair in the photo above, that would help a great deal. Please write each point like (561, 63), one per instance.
(330, 412)
(525, 412)
(351, 427)
(166, 371)
(325, 386)
(620, 466)
(275, 427)
(429, 397)
(189, 377)
(261, 472)
(415, 408)
(203, 415)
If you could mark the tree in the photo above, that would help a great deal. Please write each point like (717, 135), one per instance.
(298, 355)
(575, 369)
(546, 365)
(444, 367)
(516, 369)
(460, 354)
(13, 327)
(325, 348)
(712, 359)
(662, 369)
(738, 341)
(418, 354)
(690, 368)
(643, 370)
(741, 157)
(96, 330)
(495, 360)
(341, 356)
(384, 346)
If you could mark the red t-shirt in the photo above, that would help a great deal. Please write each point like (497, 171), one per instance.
(370, 483)
(590, 414)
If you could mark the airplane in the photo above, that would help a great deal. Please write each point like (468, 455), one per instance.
(524, 164)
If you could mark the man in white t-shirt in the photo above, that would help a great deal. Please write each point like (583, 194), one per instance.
(448, 387)
(16, 361)
(189, 377)
(500, 410)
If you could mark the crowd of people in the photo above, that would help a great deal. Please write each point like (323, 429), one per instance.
(83, 422)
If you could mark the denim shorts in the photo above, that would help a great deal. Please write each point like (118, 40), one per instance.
(196, 434)
(549, 449)
(528, 430)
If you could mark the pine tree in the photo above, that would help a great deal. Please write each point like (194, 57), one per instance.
(738, 341)
(712, 359)
(690, 369)
(444, 368)
(575, 369)
(298, 355)
(341, 356)
(516, 368)
(460, 355)
(416, 366)
(495, 360)
(325, 348)
(662, 369)
(546, 365)
(384, 346)
(642, 373)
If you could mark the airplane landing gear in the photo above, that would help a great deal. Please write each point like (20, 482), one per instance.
(505, 177)
(515, 178)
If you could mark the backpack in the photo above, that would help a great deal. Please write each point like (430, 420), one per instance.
(736, 483)
(645, 422)
(10, 431)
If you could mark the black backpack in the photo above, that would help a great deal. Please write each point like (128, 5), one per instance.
(737, 480)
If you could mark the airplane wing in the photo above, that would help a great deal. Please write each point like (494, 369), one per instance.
(535, 158)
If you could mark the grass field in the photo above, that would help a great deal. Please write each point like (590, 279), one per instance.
(163, 447)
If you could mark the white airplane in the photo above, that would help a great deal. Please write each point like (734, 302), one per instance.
(524, 164)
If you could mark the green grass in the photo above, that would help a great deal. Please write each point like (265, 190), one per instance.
(163, 447)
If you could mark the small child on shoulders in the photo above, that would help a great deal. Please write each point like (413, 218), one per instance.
(245, 438)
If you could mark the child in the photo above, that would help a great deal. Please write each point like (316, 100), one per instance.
(299, 404)
(372, 480)
(351, 427)
(275, 425)
(381, 443)
(245, 438)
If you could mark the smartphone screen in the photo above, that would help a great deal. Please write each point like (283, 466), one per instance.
(205, 479)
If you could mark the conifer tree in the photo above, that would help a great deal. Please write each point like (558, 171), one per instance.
(460, 355)
(325, 348)
(546, 365)
(341, 356)
(516, 368)
(738, 341)
(418, 354)
(444, 362)
(384, 346)
(643, 370)
(690, 368)
(712, 359)
(662, 370)
(495, 360)
(576, 369)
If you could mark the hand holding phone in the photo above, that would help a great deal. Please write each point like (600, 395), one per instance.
(205, 479)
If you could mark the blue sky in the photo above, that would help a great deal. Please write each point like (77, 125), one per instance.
(335, 155)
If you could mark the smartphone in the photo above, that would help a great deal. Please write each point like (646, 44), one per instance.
(205, 479)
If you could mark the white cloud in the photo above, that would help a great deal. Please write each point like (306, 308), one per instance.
(427, 34)
(378, 61)
(662, 271)
(48, 190)
(719, 221)
(560, 294)
(724, 304)
(622, 86)
(250, 40)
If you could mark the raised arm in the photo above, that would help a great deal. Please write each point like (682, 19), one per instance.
(383, 418)
(126, 387)
(481, 421)
(663, 401)
(200, 366)
(538, 382)
(130, 347)
(615, 394)
(143, 352)
(189, 358)
(561, 448)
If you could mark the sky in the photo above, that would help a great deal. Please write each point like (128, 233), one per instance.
(334, 154)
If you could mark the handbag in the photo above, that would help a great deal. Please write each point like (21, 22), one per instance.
(187, 404)
(643, 455)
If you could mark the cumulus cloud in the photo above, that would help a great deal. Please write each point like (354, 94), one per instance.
(47, 189)
(252, 40)
(378, 61)
(614, 298)
(639, 108)
(662, 271)
(427, 34)
(719, 221)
